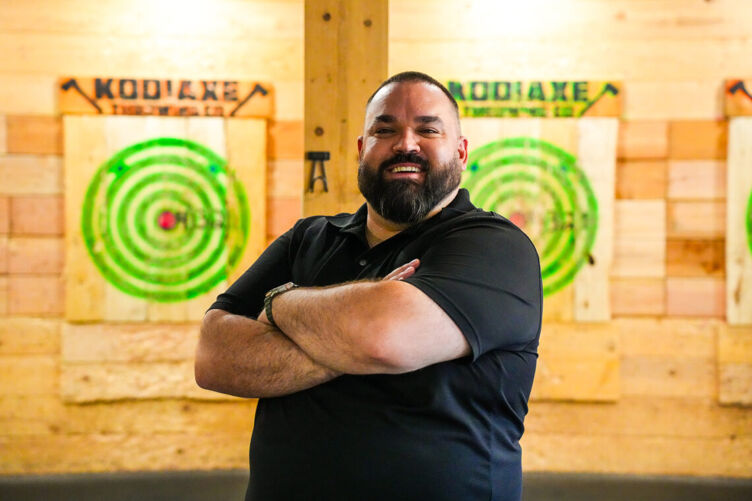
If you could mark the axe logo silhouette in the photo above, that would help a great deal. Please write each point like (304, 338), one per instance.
(72, 83)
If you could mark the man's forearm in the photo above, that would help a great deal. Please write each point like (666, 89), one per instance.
(246, 358)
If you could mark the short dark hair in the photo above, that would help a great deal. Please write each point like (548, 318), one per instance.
(416, 76)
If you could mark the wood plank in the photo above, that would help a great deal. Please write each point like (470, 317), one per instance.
(3, 132)
(695, 257)
(83, 343)
(35, 255)
(639, 417)
(643, 140)
(23, 94)
(85, 148)
(37, 215)
(38, 295)
(283, 213)
(345, 60)
(33, 336)
(639, 239)
(31, 374)
(698, 98)
(36, 135)
(578, 362)
(124, 452)
(697, 179)
(623, 20)
(48, 52)
(698, 139)
(696, 297)
(696, 219)
(738, 249)
(4, 251)
(5, 211)
(91, 382)
(135, 417)
(727, 456)
(597, 158)
(641, 179)
(735, 366)
(638, 296)
(3, 295)
(285, 179)
(31, 175)
(285, 140)
(668, 358)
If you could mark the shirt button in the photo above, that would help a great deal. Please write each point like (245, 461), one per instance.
(362, 262)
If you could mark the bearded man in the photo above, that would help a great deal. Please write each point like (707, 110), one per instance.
(393, 349)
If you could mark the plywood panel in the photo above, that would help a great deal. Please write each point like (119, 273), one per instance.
(597, 156)
(738, 225)
(31, 255)
(640, 238)
(3, 132)
(37, 295)
(5, 211)
(699, 98)
(578, 362)
(30, 374)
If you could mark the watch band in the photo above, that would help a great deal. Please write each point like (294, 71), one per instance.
(270, 295)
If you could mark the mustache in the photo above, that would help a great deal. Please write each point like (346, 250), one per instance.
(401, 158)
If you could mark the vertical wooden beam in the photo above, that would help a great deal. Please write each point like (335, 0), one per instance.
(345, 60)
(738, 249)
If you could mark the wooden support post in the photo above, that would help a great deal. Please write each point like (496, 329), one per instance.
(345, 60)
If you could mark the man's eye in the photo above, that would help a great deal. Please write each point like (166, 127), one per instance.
(383, 130)
(429, 131)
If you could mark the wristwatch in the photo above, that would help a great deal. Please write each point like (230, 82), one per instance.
(271, 294)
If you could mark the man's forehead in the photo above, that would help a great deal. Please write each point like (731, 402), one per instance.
(421, 97)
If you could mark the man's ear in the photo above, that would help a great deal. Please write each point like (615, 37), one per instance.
(462, 151)
(360, 148)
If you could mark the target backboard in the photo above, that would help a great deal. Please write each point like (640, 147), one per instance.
(554, 178)
(160, 213)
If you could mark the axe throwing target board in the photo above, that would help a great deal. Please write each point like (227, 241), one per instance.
(554, 178)
(160, 213)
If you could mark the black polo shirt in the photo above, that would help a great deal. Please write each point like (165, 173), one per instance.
(449, 431)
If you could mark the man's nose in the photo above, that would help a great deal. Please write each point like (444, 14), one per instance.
(407, 142)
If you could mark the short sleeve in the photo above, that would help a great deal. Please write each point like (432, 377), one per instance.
(272, 268)
(486, 276)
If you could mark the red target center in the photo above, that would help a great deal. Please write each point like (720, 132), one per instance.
(519, 219)
(166, 220)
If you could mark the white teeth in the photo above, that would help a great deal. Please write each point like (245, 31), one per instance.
(405, 168)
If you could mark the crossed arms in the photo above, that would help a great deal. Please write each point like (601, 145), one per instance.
(386, 326)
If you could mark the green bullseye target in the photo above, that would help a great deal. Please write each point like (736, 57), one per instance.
(165, 219)
(541, 189)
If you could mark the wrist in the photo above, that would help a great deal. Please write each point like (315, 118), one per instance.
(269, 298)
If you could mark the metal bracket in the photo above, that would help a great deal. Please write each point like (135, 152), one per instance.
(317, 157)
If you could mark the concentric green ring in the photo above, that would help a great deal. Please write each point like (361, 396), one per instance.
(545, 183)
(119, 220)
(749, 223)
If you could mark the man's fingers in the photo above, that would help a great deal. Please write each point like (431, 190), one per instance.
(403, 271)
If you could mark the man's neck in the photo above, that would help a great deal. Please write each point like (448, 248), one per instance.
(379, 229)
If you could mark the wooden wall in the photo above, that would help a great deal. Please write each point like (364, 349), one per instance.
(668, 274)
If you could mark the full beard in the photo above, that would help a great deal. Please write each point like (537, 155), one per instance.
(404, 201)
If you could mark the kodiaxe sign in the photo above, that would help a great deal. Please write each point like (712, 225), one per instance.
(565, 99)
(165, 97)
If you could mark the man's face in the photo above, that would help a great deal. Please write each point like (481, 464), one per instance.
(411, 153)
